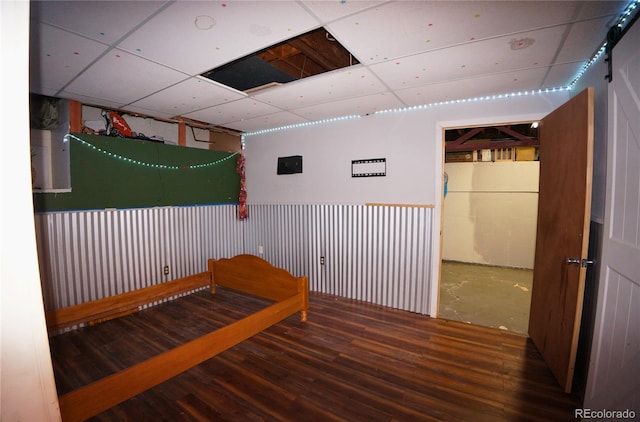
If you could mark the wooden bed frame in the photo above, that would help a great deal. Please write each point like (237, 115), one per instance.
(246, 273)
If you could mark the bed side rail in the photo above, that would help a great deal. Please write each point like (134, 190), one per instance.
(118, 305)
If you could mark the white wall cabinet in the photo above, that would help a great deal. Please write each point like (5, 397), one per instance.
(50, 171)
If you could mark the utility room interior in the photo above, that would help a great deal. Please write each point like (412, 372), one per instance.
(489, 225)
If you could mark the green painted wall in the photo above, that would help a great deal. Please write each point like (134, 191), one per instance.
(109, 172)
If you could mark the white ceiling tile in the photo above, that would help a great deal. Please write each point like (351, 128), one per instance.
(474, 87)
(354, 81)
(328, 11)
(580, 42)
(148, 112)
(57, 56)
(234, 111)
(110, 20)
(563, 74)
(88, 100)
(404, 28)
(213, 33)
(122, 77)
(491, 56)
(45, 91)
(352, 106)
(189, 95)
(592, 9)
(269, 121)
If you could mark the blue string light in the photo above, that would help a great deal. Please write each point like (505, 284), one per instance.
(145, 164)
(404, 109)
(475, 99)
(297, 125)
(622, 21)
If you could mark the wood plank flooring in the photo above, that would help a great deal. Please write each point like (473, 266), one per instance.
(351, 361)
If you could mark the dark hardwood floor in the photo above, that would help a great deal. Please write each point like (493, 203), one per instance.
(351, 361)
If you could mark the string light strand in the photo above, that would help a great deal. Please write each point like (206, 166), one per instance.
(623, 20)
(297, 125)
(474, 99)
(405, 109)
(146, 164)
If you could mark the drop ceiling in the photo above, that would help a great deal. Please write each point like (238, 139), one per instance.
(147, 57)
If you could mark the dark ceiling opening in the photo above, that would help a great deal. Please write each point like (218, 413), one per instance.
(309, 54)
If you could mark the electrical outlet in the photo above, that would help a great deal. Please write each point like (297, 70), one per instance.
(322, 260)
(165, 270)
(260, 249)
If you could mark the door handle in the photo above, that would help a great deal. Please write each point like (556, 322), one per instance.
(584, 263)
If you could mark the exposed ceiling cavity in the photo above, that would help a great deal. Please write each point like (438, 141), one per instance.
(502, 133)
(309, 54)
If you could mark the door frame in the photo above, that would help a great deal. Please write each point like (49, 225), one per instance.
(437, 241)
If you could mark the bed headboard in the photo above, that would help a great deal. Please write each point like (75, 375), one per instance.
(252, 274)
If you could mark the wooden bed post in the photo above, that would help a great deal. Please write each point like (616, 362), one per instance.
(303, 287)
(211, 264)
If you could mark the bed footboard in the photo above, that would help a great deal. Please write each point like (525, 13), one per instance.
(253, 275)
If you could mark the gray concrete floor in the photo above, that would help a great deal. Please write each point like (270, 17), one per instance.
(484, 295)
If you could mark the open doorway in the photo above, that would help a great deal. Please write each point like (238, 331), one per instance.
(489, 225)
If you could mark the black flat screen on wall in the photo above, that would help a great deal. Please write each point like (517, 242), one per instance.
(290, 165)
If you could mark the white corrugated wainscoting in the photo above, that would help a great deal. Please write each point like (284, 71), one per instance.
(88, 255)
(379, 254)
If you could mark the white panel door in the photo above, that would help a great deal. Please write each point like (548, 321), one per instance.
(614, 370)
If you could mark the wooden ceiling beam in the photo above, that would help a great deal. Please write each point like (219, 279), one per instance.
(462, 143)
(490, 145)
(464, 138)
(319, 46)
(309, 54)
(296, 66)
(314, 55)
(513, 133)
